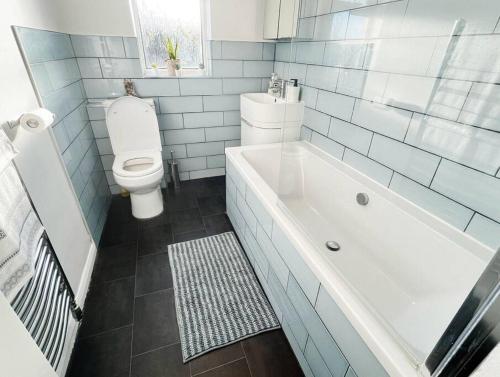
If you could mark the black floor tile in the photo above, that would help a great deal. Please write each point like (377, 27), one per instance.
(188, 236)
(108, 306)
(154, 240)
(116, 233)
(212, 205)
(120, 210)
(237, 368)
(155, 323)
(153, 274)
(217, 224)
(165, 362)
(217, 358)
(186, 220)
(115, 262)
(106, 355)
(160, 220)
(270, 355)
(185, 199)
(210, 186)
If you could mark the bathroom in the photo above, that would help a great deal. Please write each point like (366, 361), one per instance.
(250, 188)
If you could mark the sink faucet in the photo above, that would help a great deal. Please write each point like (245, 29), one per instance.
(276, 86)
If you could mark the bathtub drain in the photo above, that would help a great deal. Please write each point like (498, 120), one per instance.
(332, 245)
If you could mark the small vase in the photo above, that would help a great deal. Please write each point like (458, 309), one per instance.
(172, 66)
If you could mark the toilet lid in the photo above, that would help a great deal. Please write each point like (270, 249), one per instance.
(132, 126)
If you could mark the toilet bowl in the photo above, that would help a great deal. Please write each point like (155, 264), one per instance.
(138, 166)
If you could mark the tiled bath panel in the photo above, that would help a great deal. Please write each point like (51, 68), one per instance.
(58, 81)
(391, 94)
(129, 327)
(198, 116)
(322, 338)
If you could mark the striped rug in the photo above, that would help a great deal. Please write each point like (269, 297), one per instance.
(217, 296)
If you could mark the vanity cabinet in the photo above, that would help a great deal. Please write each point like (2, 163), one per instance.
(280, 18)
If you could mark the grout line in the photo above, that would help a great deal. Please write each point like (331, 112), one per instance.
(104, 332)
(220, 366)
(156, 349)
(154, 292)
(133, 303)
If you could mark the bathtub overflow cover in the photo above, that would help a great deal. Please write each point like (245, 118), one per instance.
(332, 245)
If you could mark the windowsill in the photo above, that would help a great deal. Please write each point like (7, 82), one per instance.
(182, 73)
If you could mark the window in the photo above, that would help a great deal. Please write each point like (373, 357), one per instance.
(179, 20)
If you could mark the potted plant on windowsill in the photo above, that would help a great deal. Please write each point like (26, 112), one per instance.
(173, 63)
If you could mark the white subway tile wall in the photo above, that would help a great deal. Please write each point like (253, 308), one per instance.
(198, 117)
(407, 92)
(57, 74)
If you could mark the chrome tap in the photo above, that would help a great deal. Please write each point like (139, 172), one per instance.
(275, 86)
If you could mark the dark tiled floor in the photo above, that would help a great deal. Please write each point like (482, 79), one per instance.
(129, 327)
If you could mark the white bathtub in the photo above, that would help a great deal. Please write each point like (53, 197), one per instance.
(401, 273)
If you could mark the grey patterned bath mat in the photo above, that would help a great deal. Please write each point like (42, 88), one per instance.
(217, 296)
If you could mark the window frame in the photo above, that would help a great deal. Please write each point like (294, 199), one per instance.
(185, 71)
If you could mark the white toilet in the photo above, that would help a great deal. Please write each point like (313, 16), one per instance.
(138, 166)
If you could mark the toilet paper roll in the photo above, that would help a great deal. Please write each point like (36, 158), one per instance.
(37, 120)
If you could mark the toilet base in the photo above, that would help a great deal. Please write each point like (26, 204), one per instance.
(147, 205)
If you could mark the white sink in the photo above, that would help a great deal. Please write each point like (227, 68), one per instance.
(265, 111)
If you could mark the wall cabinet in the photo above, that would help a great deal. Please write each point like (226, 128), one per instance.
(280, 18)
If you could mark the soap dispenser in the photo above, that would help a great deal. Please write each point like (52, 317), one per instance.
(292, 91)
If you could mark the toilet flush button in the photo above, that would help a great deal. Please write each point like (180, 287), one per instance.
(332, 245)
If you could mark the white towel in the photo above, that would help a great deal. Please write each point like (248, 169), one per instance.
(20, 229)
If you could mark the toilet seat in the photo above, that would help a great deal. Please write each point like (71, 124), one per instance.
(137, 163)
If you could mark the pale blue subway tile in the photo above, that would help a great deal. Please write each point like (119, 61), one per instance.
(40, 45)
(295, 71)
(310, 52)
(289, 314)
(64, 100)
(324, 6)
(275, 261)
(195, 135)
(218, 161)
(349, 54)
(97, 46)
(331, 26)
(257, 253)
(192, 163)
(268, 51)
(189, 104)
(62, 137)
(238, 180)
(305, 133)
(327, 347)
(96, 112)
(472, 188)
(407, 160)
(207, 119)
(482, 106)
(99, 128)
(356, 351)
(337, 105)
(197, 86)
(316, 121)
(131, 47)
(350, 135)
(448, 210)
(241, 50)
(383, 119)
(295, 263)
(53, 75)
(246, 212)
(232, 118)
(485, 230)
(78, 183)
(371, 168)
(178, 149)
(75, 121)
(107, 161)
(103, 88)
(232, 143)
(309, 96)
(205, 149)
(216, 49)
(223, 133)
(89, 68)
(305, 28)
(240, 85)
(352, 4)
(285, 52)
(156, 87)
(471, 146)
(257, 68)
(322, 77)
(227, 68)
(296, 350)
(265, 220)
(170, 121)
(221, 103)
(315, 361)
(119, 68)
(368, 85)
(308, 8)
(329, 146)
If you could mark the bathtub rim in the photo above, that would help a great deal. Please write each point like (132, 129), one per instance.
(391, 354)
